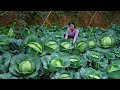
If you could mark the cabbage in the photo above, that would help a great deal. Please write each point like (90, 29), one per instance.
(66, 45)
(52, 44)
(90, 73)
(77, 61)
(94, 56)
(47, 46)
(91, 44)
(56, 62)
(114, 70)
(36, 46)
(82, 47)
(25, 66)
(106, 42)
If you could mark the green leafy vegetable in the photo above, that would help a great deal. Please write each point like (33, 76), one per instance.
(24, 66)
(107, 42)
(82, 47)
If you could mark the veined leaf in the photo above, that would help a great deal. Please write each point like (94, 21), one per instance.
(36, 46)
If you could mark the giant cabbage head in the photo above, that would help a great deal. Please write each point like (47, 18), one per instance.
(51, 45)
(107, 41)
(34, 45)
(77, 61)
(91, 44)
(66, 45)
(82, 46)
(24, 66)
(55, 61)
(94, 56)
(114, 69)
(90, 73)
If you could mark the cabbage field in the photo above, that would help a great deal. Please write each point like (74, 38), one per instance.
(42, 53)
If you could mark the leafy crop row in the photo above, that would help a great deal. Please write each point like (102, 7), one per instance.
(43, 53)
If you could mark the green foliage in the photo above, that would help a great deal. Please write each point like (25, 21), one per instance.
(43, 53)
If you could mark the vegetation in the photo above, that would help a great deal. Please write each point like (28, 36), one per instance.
(40, 52)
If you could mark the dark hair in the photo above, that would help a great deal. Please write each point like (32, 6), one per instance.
(72, 23)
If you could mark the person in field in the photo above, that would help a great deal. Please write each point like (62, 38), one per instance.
(72, 32)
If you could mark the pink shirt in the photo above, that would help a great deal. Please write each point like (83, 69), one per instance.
(73, 34)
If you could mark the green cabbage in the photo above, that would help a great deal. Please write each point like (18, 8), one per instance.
(94, 56)
(114, 71)
(82, 47)
(77, 61)
(56, 62)
(66, 45)
(90, 73)
(25, 66)
(52, 44)
(106, 41)
(112, 68)
(36, 46)
(91, 44)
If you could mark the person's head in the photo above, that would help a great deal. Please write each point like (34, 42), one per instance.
(72, 25)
